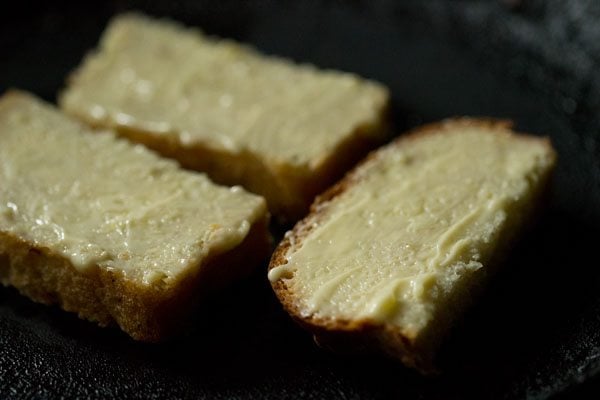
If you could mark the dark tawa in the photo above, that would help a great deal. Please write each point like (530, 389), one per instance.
(534, 334)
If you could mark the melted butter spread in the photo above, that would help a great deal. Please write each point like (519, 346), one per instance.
(98, 200)
(158, 77)
(423, 216)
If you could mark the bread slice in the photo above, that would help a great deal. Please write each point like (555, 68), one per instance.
(390, 256)
(110, 230)
(282, 130)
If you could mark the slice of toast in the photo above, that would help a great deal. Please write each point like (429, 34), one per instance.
(282, 130)
(390, 256)
(110, 230)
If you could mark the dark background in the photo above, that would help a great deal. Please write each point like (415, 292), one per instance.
(534, 334)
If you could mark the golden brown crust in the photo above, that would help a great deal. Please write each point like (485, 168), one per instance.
(364, 335)
(146, 313)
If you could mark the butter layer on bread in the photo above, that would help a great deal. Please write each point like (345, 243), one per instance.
(394, 250)
(136, 231)
(280, 129)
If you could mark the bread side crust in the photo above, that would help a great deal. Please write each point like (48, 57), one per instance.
(149, 313)
(369, 336)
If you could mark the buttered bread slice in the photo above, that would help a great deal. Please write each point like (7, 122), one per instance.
(389, 257)
(110, 230)
(279, 129)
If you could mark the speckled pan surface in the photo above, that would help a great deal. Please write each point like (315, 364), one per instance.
(534, 334)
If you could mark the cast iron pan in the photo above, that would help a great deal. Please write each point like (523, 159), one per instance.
(534, 334)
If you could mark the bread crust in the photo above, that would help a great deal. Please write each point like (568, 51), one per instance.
(365, 335)
(149, 313)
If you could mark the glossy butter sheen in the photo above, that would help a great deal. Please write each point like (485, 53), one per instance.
(98, 200)
(422, 216)
(158, 77)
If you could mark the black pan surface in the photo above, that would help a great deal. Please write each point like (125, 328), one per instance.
(534, 334)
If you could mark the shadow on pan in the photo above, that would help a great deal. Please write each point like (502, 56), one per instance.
(534, 333)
